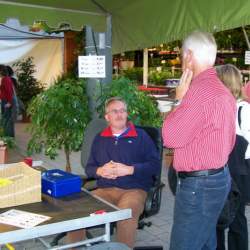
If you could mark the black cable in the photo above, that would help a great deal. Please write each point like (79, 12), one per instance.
(29, 33)
(93, 37)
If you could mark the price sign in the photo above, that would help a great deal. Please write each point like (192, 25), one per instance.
(91, 66)
(247, 57)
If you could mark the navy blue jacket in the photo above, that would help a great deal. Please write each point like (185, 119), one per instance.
(134, 148)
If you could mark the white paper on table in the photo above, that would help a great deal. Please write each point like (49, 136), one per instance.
(37, 163)
(22, 219)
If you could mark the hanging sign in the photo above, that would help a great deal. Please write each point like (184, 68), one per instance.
(247, 57)
(91, 66)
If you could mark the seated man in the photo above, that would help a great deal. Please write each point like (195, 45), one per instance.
(124, 160)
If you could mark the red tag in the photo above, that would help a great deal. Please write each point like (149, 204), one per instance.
(100, 211)
(28, 161)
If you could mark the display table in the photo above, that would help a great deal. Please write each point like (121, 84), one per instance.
(68, 213)
(153, 90)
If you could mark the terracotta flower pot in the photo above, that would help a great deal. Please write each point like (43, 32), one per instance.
(3, 154)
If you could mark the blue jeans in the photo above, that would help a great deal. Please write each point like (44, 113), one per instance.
(7, 120)
(198, 203)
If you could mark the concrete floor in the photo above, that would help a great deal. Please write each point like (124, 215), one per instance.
(157, 234)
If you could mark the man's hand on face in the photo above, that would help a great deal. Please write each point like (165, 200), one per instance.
(112, 170)
(185, 81)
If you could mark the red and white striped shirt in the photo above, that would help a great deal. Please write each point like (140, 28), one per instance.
(202, 128)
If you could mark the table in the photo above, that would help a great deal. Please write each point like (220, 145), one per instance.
(156, 90)
(68, 213)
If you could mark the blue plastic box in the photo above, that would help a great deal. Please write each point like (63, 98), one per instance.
(58, 183)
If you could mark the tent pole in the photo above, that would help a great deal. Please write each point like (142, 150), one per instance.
(92, 83)
(99, 44)
(108, 51)
(145, 67)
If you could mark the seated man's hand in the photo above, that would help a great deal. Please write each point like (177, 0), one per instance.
(112, 170)
(107, 171)
(122, 169)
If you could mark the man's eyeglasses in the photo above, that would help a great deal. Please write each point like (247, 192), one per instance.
(117, 111)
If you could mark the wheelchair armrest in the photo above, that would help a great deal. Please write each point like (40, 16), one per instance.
(153, 201)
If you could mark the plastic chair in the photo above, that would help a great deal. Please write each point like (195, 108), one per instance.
(153, 201)
(95, 126)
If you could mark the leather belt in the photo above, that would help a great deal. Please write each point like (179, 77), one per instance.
(200, 173)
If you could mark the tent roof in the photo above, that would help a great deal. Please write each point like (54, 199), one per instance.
(136, 23)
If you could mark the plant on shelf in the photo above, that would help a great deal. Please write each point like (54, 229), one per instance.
(128, 56)
(27, 85)
(59, 116)
(142, 109)
(159, 78)
(134, 74)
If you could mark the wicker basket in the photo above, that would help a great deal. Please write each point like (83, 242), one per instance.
(24, 186)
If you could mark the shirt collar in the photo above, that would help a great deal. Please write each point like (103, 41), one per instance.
(130, 132)
(204, 74)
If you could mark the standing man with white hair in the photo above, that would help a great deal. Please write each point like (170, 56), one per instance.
(201, 129)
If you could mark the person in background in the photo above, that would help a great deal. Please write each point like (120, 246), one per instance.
(6, 96)
(124, 160)
(246, 92)
(16, 104)
(238, 232)
(11, 75)
(201, 130)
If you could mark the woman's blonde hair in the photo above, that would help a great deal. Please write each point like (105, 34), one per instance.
(231, 77)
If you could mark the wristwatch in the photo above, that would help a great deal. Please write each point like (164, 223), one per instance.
(176, 103)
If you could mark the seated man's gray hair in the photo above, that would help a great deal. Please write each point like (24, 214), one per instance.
(114, 99)
(203, 46)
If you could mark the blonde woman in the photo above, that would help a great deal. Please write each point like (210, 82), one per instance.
(238, 232)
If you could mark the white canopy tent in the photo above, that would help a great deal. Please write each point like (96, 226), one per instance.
(17, 42)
